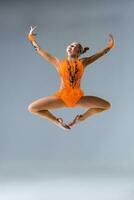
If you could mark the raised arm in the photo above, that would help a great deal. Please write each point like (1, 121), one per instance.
(51, 59)
(88, 60)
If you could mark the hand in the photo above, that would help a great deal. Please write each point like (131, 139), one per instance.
(31, 35)
(111, 43)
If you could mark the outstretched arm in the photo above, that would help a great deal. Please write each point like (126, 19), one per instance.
(88, 60)
(51, 59)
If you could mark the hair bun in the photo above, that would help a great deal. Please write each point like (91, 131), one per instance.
(85, 49)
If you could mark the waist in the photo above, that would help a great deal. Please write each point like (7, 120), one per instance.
(72, 90)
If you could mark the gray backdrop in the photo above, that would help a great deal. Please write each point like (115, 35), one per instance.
(107, 137)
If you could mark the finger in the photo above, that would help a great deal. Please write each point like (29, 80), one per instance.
(34, 27)
(31, 28)
(111, 37)
(30, 32)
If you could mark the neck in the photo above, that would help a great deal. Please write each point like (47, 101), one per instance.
(72, 58)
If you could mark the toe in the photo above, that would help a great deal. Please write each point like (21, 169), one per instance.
(68, 127)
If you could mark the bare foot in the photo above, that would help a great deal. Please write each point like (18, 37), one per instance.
(76, 120)
(61, 124)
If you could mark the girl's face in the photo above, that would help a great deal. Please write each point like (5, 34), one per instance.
(73, 50)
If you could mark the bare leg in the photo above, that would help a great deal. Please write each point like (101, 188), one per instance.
(40, 107)
(94, 105)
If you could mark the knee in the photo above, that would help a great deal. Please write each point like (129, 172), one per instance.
(32, 108)
(107, 105)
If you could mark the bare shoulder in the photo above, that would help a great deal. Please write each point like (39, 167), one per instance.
(58, 63)
(84, 61)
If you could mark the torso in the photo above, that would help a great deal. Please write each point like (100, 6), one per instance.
(70, 72)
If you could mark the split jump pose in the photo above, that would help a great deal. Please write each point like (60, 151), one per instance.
(70, 94)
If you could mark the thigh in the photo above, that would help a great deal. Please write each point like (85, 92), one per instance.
(45, 103)
(92, 102)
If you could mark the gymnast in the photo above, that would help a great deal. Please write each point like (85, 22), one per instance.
(69, 95)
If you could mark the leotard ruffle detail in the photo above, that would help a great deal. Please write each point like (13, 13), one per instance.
(71, 73)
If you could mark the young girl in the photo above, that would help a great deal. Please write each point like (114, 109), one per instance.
(70, 94)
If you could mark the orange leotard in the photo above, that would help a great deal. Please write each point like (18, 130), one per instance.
(70, 73)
